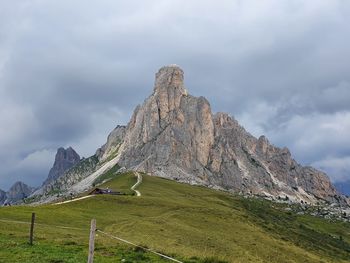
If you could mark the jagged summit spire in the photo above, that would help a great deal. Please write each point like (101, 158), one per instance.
(64, 159)
(171, 76)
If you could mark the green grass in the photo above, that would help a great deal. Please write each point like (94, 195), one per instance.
(123, 183)
(194, 224)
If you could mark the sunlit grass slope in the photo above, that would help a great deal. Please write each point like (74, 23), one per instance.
(194, 224)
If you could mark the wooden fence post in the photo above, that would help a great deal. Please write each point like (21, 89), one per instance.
(92, 241)
(32, 230)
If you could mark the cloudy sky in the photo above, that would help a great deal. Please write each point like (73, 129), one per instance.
(71, 70)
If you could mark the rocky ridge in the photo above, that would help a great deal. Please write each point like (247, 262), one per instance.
(72, 176)
(16, 194)
(65, 159)
(176, 136)
(111, 147)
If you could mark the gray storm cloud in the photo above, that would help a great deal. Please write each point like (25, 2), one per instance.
(70, 71)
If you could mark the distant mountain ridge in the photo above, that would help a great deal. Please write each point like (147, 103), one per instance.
(16, 194)
(176, 136)
(65, 159)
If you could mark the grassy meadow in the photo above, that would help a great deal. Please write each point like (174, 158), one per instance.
(191, 223)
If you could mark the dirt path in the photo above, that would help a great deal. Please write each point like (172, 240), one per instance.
(73, 200)
(139, 180)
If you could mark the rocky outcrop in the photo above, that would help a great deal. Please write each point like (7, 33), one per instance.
(73, 175)
(65, 159)
(171, 134)
(111, 147)
(261, 168)
(17, 193)
(63, 184)
(175, 135)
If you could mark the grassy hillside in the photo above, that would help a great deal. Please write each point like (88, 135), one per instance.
(194, 224)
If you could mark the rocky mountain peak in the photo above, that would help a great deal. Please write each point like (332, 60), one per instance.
(64, 159)
(68, 154)
(171, 76)
(175, 135)
(169, 88)
(18, 186)
(17, 192)
(169, 123)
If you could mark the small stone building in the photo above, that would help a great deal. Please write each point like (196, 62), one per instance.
(101, 191)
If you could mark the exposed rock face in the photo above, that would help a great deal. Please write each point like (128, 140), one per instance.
(172, 133)
(73, 175)
(175, 135)
(63, 183)
(65, 159)
(18, 192)
(241, 162)
(114, 140)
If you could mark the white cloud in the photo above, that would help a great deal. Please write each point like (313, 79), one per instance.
(32, 169)
(316, 134)
(37, 160)
(337, 168)
(254, 119)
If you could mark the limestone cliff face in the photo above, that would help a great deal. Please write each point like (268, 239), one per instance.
(243, 163)
(172, 133)
(175, 135)
(111, 147)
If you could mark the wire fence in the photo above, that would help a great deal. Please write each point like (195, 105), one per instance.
(40, 224)
(97, 230)
(144, 248)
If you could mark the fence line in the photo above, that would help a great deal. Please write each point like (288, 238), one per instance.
(100, 231)
(144, 248)
(39, 224)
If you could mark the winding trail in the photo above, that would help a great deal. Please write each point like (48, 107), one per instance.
(139, 181)
(73, 200)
